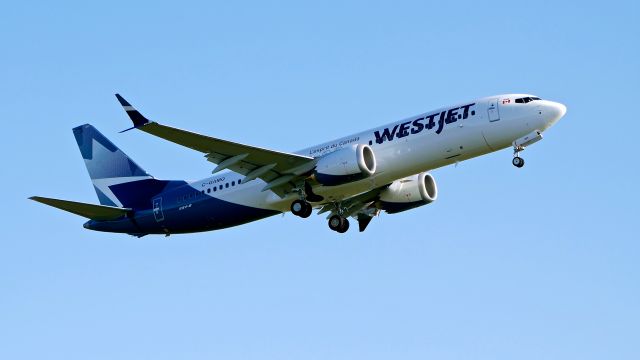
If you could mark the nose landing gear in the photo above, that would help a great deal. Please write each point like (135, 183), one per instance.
(517, 160)
(521, 143)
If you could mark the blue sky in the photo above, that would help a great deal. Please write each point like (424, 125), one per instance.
(532, 263)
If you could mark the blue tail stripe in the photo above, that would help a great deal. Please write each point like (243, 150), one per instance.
(104, 200)
(137, 195)
(107, 165)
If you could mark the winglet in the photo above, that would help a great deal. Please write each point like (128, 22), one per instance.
(135, 116)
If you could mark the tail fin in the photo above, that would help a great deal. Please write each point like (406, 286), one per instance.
(108, 167)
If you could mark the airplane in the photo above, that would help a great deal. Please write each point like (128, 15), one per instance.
(357, 176)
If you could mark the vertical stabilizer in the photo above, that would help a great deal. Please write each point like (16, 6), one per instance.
(107, 165)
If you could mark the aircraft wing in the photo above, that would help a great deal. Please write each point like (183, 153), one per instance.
(278, 169)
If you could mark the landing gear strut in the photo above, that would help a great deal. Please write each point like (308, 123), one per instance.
(338, 220)
(517, 160)
(521, 143)
(338, 223)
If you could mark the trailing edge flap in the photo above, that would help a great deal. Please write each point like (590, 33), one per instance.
(90, 211)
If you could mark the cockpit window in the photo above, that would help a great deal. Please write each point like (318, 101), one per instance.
(525, 100)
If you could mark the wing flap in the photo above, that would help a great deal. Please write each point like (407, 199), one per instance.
(90, 211)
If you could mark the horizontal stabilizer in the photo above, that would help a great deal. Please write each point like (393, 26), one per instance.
(90, 211)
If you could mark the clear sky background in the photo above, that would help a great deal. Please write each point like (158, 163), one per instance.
(532, 263)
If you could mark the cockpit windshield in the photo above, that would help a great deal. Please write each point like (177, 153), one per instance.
(525, 100)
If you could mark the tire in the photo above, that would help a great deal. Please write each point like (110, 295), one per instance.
(518, 162)
(308, 209)
(345, 226)
(298, 207)
(336, 222)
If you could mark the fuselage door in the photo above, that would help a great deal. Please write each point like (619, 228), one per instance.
(492, 109)
(157, 209)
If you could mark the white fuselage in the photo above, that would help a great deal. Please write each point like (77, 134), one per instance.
(492, 123)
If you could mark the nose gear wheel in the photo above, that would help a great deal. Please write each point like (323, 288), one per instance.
(517, 160)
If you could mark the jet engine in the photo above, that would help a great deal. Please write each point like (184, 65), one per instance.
(345, 165)
(409, 193)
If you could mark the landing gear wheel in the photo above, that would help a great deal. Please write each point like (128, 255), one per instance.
(307, 210)
(301, 208)
(518, 162)
(335, 222)
(345, 226)
(338, 223)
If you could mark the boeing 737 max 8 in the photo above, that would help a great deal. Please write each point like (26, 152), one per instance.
(357, 176)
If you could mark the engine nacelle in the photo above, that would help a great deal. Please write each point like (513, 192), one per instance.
(345, 165)
(409, 193)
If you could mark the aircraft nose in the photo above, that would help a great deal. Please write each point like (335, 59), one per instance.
(554, 111)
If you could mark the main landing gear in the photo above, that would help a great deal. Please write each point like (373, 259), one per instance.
(338, 223)
(338, 220)
(301, 208)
